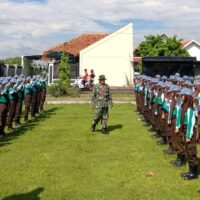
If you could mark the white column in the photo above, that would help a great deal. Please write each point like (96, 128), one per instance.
(7, 68)
(22, 64)
(15, 68)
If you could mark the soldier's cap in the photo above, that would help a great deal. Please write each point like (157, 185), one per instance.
(13, 80)
(164, 78)
(16, 76)
(186, 91)
(177, 75)
(5, 81)
(174, 88)
(185, 77)
(102, 77)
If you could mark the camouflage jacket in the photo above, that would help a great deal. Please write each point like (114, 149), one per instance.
(101, 96)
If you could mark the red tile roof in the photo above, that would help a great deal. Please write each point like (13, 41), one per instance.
(74, 46)
(184, 43)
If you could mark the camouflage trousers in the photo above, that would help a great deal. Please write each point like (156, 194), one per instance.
(101, 114)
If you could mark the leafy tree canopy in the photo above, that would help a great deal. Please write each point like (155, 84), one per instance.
(161, 46)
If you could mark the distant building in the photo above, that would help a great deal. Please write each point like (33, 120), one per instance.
(109, 54)
(192, 47)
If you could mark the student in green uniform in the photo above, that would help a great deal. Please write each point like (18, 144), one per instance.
(12, 103)
(3, 105)
(27, 98)
(19, 102)
(191, 138)
(43, 83)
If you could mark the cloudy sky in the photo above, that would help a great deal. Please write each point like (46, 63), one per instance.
(30, 26)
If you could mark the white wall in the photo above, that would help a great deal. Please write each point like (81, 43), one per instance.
(194, 50)
(111, 56)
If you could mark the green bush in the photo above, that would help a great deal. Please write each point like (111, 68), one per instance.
(59, 89)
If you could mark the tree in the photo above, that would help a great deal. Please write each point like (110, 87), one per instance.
(64, 71)
(13, 60)
(159, 46)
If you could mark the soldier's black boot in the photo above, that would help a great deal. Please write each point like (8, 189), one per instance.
(180, 162)
(193, 174)
(104, 130)
(93, 127)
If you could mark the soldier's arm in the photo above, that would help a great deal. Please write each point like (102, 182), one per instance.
(110, 97)
(93, 96)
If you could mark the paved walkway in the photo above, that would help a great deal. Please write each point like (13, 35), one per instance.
(121, 100)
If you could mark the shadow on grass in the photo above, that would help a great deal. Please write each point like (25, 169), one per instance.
(33, 195)
(27, 127)
(112, 128)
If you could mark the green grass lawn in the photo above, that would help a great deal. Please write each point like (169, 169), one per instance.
(56, 157)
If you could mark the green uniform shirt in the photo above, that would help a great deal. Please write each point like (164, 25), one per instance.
(101, 96)
(3, 95)
(43, 82)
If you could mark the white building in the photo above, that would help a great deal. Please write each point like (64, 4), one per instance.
(111, 56)
(193, 48)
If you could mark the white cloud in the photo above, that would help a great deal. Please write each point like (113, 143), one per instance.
(30, 27)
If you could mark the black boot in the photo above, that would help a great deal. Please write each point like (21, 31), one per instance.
(192, 173)
(156, 135)
(186, 173)
(151, 129)
(163, 141)
(17, 123)
(174, 161)
(104, 131)
(180, 162)
(93, 127)
(10, 130)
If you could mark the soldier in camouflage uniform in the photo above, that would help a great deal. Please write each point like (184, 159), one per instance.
(101, 100)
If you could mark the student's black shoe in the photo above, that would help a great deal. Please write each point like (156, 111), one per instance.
(162, 141)
(10, 130)
(156, 135)
(169, 151)
(180, 161)
(151, 129)
(93, 127)
(18, 124)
